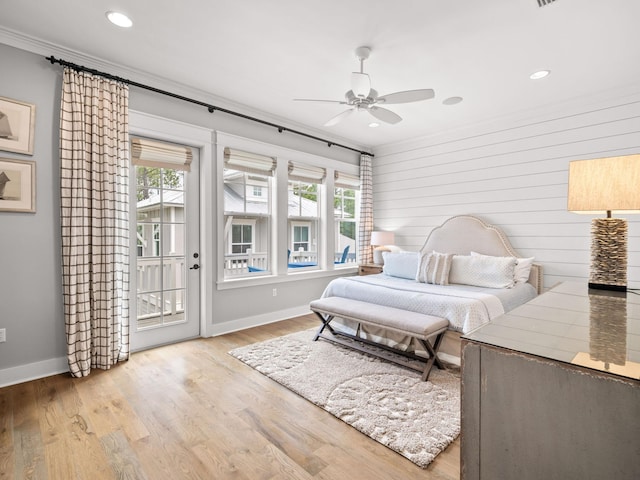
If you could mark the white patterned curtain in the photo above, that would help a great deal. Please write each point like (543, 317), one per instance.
(94, 185)
(366, 210)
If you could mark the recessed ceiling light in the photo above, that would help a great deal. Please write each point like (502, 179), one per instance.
(374, 124)
(119, 19)
(539, 74)
(451, 100)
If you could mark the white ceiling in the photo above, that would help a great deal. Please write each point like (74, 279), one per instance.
(262, 54)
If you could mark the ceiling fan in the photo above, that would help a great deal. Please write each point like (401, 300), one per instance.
(362, 97)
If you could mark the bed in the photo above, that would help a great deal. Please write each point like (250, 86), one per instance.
(479, 257)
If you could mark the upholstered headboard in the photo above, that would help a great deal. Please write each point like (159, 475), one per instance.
(463, 234)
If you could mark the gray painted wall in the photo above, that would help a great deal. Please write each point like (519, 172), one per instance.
(31, 307)
(30, 279)
(512, 174)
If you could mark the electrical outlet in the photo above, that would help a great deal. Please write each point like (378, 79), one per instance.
(275, 292)
(3, 335)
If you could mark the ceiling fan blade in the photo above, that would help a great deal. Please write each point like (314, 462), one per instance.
(360, 84)
(407, 96)
(342, 102)
(385, 115)
(338, 118)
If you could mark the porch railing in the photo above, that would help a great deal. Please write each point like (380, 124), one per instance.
(160, 286)
(241, 264)
(236, 264)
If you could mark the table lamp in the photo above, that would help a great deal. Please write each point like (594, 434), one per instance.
(380, 240)
(599, 186)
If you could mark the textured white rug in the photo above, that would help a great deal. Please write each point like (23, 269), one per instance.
(387, 402)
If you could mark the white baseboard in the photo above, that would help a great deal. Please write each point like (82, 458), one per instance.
(54, 366)
(256, 320)
(33, 371)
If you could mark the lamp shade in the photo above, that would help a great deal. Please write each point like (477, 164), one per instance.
(604, 184)
(382, 238)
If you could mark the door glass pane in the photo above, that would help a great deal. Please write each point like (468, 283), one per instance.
(173, 235)
(149, 275)
(172, 179)
(161, 255)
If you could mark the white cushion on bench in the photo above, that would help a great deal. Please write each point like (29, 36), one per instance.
(416, 324)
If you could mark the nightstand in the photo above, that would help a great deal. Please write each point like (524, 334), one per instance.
(369, 269)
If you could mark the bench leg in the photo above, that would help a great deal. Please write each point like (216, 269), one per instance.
(433, 355)
(325, 324)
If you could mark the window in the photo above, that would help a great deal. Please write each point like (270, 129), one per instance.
(247, 216)
(345, 200)
(242, 235)
(301, 238)
(304, 214)
(282, 206)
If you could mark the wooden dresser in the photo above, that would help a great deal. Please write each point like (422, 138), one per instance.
(551, 390)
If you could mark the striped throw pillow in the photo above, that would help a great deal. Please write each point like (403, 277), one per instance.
(434, 268)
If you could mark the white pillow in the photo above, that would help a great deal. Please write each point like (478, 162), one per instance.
(400, 264)
(483, 271)
(434, 268)
(522, 270)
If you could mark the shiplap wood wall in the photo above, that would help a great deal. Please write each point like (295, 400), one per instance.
(513, 176)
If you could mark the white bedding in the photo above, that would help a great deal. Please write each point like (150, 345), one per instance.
(465, 307)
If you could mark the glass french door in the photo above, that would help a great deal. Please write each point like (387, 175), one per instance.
(166, 283)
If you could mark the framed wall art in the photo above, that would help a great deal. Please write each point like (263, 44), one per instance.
(17, 185)
(17, 126)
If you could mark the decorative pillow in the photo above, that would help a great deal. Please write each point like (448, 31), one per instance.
(522, 270)
(483, 271)
(400, 264)
(434, 268)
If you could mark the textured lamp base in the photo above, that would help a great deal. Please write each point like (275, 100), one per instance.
(608, 254)
(377, 255)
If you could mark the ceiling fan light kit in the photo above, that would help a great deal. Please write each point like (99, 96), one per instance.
(362, 97)
(360, 84)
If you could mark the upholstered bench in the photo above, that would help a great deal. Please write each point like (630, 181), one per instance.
(418, 325)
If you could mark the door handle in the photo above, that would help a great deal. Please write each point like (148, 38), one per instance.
(195, 267)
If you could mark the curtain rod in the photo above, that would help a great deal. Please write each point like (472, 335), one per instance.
(211, 108)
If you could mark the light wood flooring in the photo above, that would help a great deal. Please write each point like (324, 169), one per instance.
(189, 410)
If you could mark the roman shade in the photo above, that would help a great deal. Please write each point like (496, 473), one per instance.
(157, 154)
(306, 173)
(344, 180)
(249, 162)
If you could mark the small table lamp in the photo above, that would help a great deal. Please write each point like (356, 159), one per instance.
(379, 240)
(606, 185)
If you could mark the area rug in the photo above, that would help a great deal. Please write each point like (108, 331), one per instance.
(387, 402)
